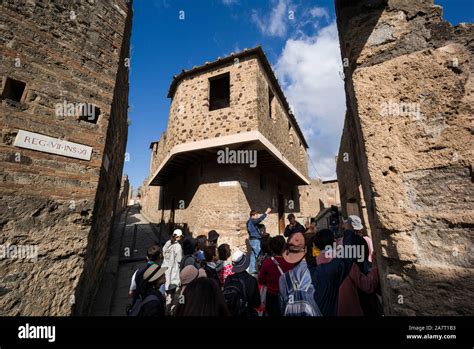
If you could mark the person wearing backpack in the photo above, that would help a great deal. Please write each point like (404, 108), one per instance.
(328, 272)
(241, 289)
(254, 237)
(187, 275)
(150, 301)
(189, 249)
(202, 298)
(154, 255)
(210, 255)
(269, 275)
(296, 290)
(202, 242)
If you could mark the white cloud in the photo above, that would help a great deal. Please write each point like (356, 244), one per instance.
(230, 2)
(308, 69)
(319, 12)
(276, 24)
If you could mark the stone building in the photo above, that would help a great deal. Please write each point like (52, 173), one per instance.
(233, 106)
(63, 116)
(317, 196)
(124, 194)
(405, 161)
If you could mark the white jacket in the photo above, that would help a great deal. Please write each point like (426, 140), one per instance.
(172, 255)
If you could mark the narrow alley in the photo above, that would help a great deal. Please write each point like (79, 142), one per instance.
(131, 236)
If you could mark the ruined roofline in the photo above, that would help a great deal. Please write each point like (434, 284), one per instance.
(153, 143)
(257, 51)
(329, 181)
(252, 136)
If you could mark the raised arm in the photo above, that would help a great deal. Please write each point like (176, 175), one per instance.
(259, 219)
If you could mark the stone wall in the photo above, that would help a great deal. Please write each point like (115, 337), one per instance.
(149, 201)
(73, 53)
(214, 196)
(190, 119)
(408, 137)
(124, 195)
(315, 197)
(208, 195)
(277, 128)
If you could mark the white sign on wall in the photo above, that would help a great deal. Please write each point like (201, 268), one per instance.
(36, 141)
(228, 184)
(233, 184)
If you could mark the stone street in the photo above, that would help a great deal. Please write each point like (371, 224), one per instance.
(130, 238)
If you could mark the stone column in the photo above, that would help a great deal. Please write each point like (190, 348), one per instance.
(409, 122)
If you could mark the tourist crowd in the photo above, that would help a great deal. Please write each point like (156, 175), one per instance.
(330, 272)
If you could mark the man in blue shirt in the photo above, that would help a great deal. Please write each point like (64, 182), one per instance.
(254, 237)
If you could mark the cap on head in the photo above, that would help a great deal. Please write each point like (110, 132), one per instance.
(356, 222)
(240, 261)
(177, 232)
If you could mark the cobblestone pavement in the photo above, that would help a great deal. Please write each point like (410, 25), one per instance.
(130, 238)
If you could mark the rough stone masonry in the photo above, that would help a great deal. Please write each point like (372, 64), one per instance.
(64, 72)
(408, 138)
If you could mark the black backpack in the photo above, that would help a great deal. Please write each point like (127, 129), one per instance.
(136, 309)
(212, 274)
(186, 259)
(235, 296)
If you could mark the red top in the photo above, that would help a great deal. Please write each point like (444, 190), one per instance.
(269, 274)
(225, 272)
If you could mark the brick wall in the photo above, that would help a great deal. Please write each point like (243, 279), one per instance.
(221, 199)
(73, 53)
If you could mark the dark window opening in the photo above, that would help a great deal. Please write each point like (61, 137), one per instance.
(89, 113)
(219, 92)
(270, 100)
(263, 184)
(289, 125)
(13, 90)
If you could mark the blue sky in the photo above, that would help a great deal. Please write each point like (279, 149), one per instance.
(301, 45)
